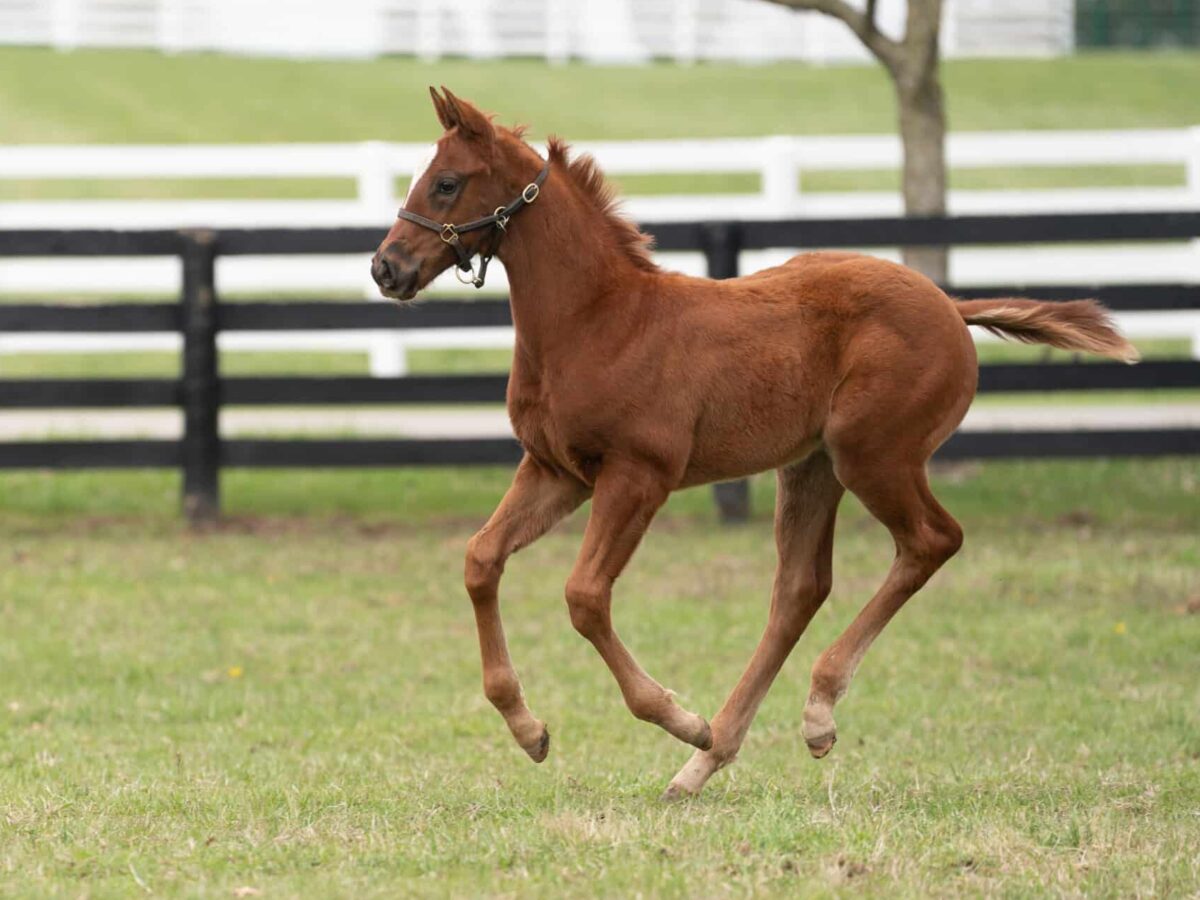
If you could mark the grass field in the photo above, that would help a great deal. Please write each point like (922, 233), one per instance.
(121, 96)
(290, 703)
(136, 97)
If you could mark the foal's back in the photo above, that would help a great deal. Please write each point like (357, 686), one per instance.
(782, 352)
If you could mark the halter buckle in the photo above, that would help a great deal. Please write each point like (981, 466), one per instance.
(501, 221)
(531, 192)
(449, 234)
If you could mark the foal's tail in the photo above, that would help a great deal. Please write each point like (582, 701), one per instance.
(1070, 325)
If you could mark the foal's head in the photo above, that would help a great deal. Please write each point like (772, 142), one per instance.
(474, 169)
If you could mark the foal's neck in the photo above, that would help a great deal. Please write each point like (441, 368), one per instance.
(562, 264)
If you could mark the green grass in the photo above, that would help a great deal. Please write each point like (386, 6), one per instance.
(291, 702)
(131, 96)
(116, 97)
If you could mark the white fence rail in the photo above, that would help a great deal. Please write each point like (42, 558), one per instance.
(777, 162)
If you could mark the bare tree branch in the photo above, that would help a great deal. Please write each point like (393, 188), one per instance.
(886, 50)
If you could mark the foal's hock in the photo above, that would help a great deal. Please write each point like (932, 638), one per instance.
(628, 382)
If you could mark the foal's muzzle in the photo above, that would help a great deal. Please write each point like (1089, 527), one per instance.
(397, 278)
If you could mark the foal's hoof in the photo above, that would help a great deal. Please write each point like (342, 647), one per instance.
(819, 730)
(540, 750)
(821, 746)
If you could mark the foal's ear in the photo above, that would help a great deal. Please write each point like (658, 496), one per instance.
(468, 118)
(442, 110)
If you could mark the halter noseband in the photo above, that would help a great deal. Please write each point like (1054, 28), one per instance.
(499, 219)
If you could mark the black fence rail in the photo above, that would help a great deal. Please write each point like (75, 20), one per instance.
(199, 316)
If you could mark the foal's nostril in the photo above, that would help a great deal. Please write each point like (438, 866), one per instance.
(383, 273)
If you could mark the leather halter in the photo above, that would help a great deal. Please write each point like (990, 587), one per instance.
(499, 219)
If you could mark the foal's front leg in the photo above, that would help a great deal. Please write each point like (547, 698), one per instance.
(537, 499)
(626, 498)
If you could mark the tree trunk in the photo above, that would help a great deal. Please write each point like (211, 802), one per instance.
(923, 135)
(913, 64)
(923, 128)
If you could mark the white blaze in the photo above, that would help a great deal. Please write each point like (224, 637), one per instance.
(419, 173)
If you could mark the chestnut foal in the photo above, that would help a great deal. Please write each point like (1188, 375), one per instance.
(628, 382)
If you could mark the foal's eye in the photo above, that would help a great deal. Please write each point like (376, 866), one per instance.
(447, 186)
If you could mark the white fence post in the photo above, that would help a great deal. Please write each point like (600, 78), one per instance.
(375, 180)
(1192, 164)
(377, 196)
(172, 36)
(780, 186)
(558, 32)
(948, 39)
(686, 31)
(429, 32)
(475, 22)
(1193, 186)
(64, 24)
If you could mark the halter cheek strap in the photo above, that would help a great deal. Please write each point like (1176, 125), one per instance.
(498, 220)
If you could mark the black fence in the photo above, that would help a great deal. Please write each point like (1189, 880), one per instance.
(200, 392)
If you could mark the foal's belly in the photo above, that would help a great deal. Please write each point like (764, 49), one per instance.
(739, 439)
(705, 468)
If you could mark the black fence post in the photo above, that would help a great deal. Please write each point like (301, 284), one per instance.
(722, 242)
(201, 448)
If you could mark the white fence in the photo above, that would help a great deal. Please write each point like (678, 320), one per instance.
(557, 30)
(777, 162)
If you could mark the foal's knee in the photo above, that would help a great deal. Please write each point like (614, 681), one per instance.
(588, 603)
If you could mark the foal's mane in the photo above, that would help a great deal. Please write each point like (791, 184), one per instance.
(587, 177)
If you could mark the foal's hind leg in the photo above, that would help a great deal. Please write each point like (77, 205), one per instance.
(805, 509)
(626, 498)
(896, 491)
(537, 500)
